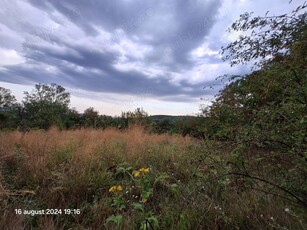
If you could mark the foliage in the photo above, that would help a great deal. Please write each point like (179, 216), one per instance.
(193, 126)
(269, 36)
(8, 109)
(133, 196)
(72, 119)
(46, 105)
(162, 126)
(90, 117)
(136, 117)
(7, 100)
(267, 108)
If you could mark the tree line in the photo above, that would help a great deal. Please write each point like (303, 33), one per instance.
(49, 105)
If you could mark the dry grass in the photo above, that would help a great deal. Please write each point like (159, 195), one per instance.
(75, 169)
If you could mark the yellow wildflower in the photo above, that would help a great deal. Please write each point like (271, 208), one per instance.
(136, 173)
(119, 188)
(145, 170)
(112, 189)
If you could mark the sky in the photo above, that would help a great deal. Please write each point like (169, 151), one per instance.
(117, 55)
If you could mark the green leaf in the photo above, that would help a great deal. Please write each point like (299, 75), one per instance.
(118, 219)
(138, 207)
(153, 220)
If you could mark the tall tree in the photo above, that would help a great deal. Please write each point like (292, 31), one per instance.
(8, 109)
(46, 105)
(7, 100)
(90, 117)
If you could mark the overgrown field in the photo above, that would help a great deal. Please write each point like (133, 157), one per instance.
(135, 180)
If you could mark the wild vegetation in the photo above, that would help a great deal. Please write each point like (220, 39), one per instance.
(161, 181)
(246, 170)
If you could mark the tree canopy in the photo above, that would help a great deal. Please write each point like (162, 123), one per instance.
(265, 38)
(7, 100)
(46, 105)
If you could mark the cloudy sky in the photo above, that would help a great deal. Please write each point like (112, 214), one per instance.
(116, 55)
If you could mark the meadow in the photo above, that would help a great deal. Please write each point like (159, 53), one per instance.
(131, 179)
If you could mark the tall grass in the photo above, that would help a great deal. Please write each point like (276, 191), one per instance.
(75, 169)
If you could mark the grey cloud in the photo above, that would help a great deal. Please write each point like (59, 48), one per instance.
(178, 25)
(115, 82)
(171, 28)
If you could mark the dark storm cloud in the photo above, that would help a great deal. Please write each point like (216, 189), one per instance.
(170, 28)
(109, 80)
(177, 25)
